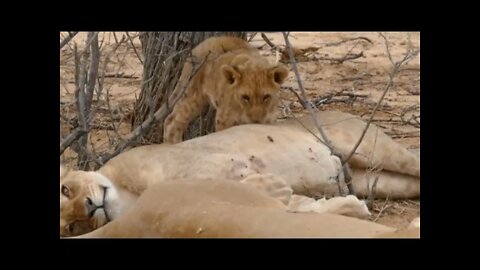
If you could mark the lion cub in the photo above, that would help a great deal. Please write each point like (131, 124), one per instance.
(231, 76)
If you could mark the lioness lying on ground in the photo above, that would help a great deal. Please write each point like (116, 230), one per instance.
(198, 209)
(288, 152)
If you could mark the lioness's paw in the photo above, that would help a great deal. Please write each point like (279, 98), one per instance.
(346, 206)
(415, 223)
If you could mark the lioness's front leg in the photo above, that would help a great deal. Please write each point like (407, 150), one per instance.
(184, 111)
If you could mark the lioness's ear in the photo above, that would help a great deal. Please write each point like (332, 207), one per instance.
(231, 74)
(279, 74)
(63, 171)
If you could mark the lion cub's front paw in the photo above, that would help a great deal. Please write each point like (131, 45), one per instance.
(272, 185)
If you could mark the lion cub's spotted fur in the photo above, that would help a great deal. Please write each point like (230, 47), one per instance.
(234, 78)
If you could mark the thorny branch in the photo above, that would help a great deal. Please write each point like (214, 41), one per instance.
(395, 67)
(105, 63)
(84, 86)
(326, 141)
(347, 40)
(161, 113)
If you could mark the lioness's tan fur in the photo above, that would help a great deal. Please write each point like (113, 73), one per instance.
(198, 209)
(285, 150)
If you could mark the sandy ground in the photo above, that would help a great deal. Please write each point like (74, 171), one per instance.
(352, 86)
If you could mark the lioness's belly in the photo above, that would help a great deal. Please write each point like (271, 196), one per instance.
(304, 163)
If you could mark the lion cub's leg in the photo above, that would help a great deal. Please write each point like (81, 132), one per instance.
(274, 186)
(184, 111)
(224, 118)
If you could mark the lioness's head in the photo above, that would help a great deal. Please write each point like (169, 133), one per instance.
(254, 84)
(87, 201)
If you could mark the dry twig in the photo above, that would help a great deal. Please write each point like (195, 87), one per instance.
(70, 36)
(347, 40)
(134, 49)
(348, 56)
(395, 67)
(384, 207)
(267, 40)
(326, 141)
(161, 113)
(372, 193)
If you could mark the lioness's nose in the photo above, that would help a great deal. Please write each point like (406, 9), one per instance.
(91, 207)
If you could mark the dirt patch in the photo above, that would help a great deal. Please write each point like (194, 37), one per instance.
(352, 86)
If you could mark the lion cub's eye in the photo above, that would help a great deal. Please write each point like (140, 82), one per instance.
(266, 98)
(246, 98)
(66, 191)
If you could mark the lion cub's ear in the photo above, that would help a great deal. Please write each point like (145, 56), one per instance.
(278, 74)
(231, 74)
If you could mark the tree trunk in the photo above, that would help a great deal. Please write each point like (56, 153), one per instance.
(164, 54)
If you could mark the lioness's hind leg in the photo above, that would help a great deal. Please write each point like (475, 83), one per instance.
(184, 111)
(274, 186)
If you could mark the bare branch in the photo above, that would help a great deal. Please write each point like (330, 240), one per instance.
(92, 72)
(348, 56)
(372, 193)
(80, 66)
(325, 141)
(385, 206)
(396, 66)
(115, 37)
(70, 139)
(347, 40)
(70, 36)
(387, 46)
(134, 49)
(114, 128)
(105, 63)
(121, 75)
(268, 41)
(160, 114)
(326, 99)
(252, 35)
(304, 104)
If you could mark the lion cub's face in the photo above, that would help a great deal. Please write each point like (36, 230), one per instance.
(254, 85)
(86, 202)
